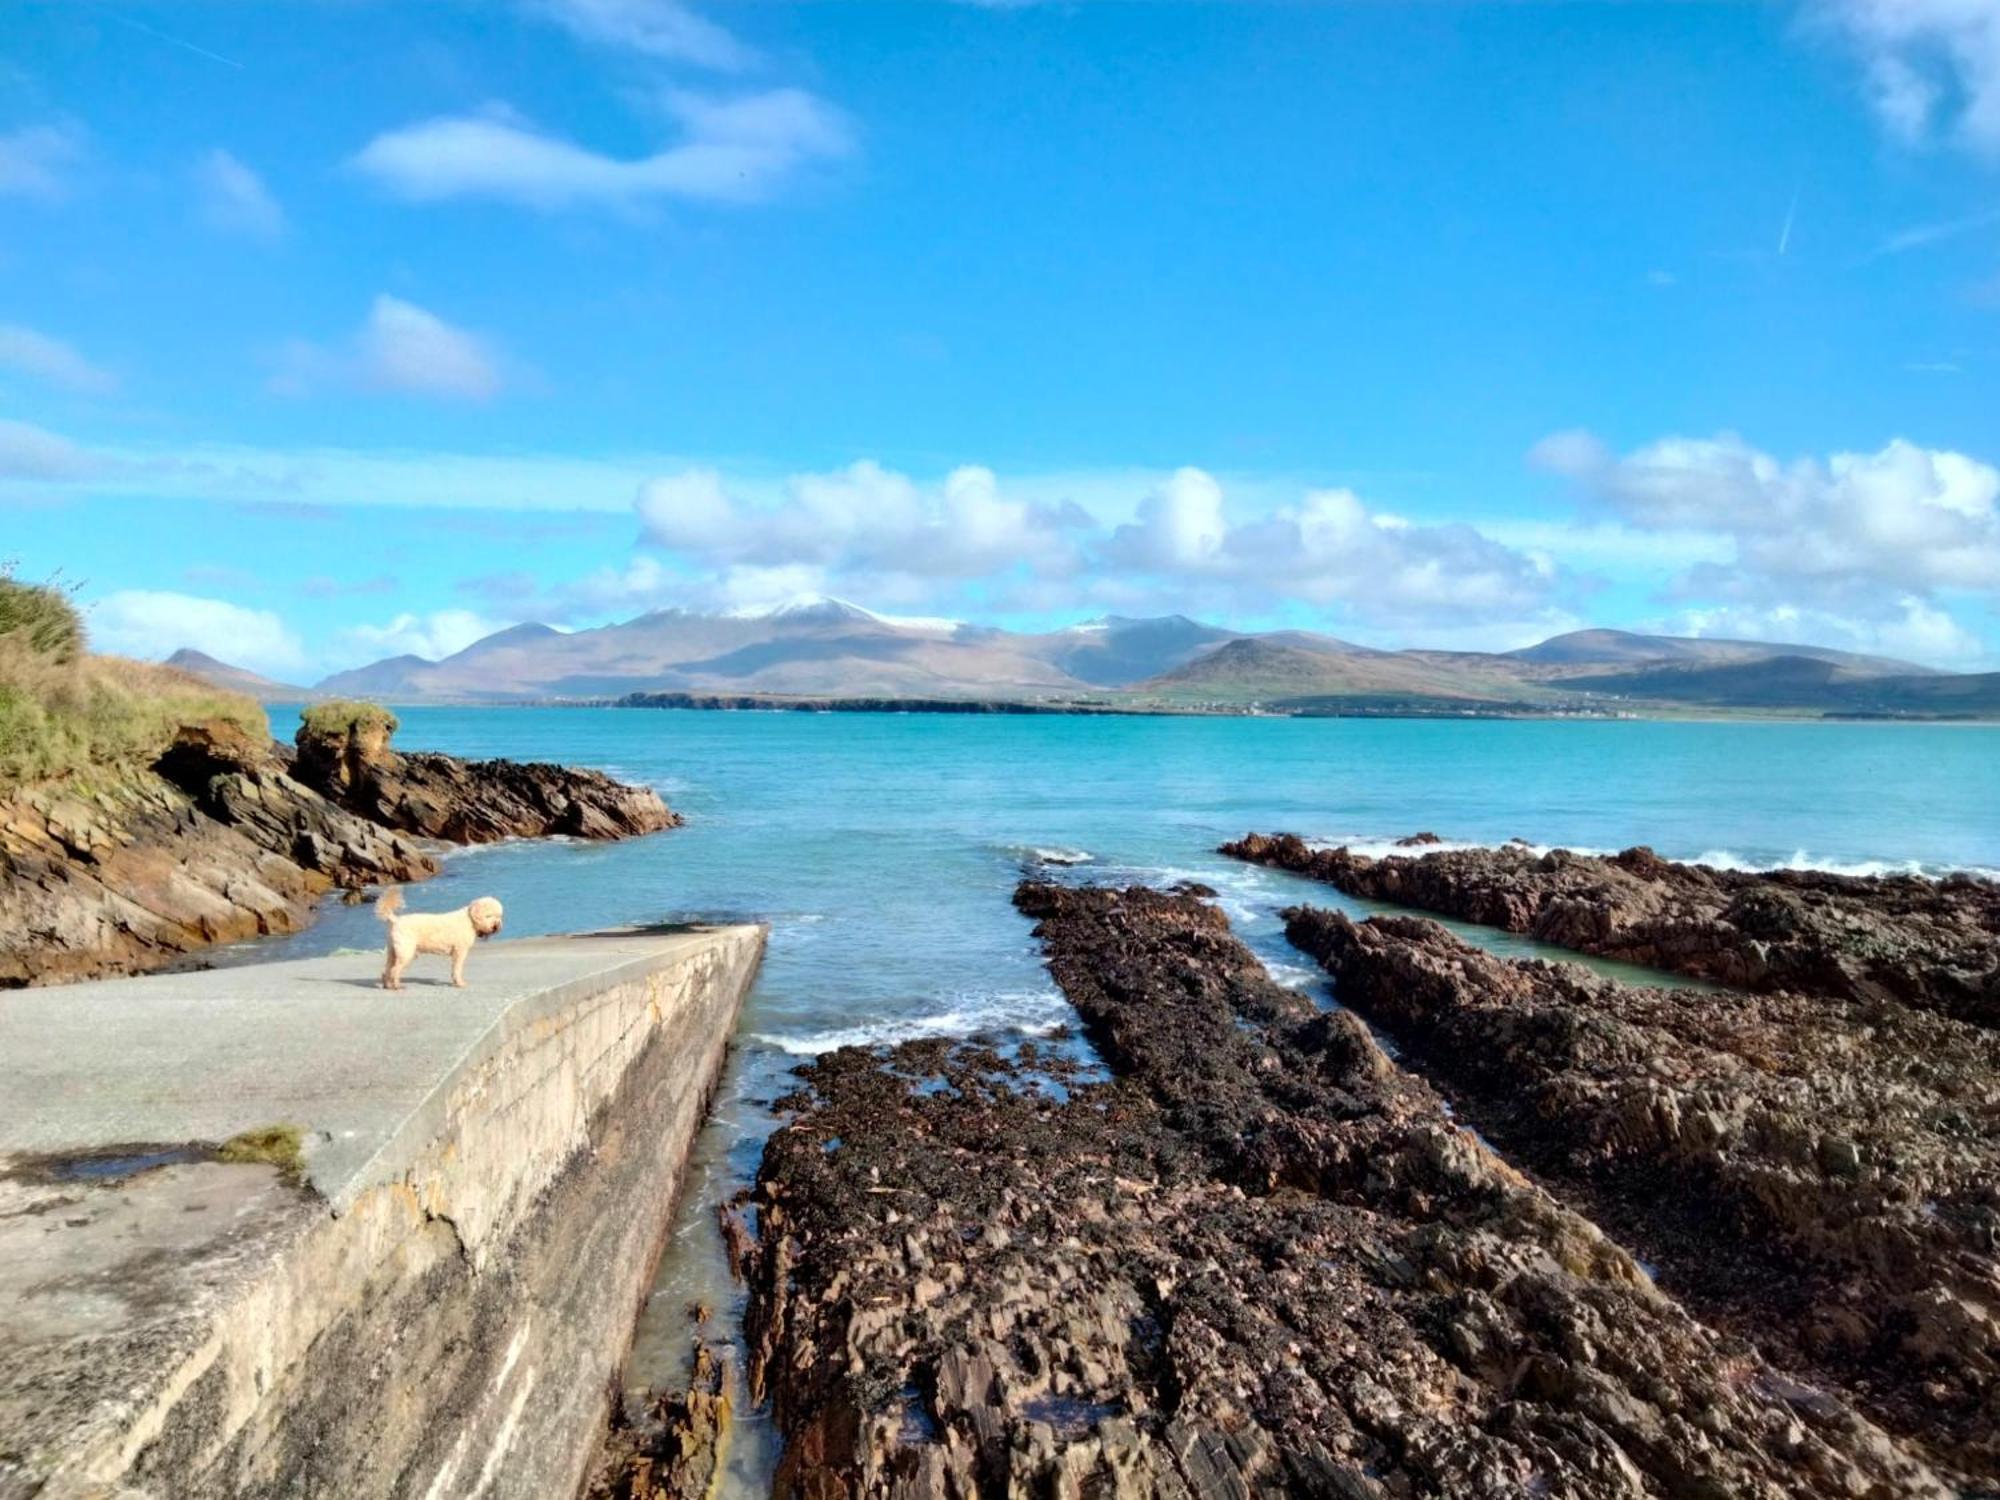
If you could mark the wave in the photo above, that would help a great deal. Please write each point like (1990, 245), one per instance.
(1726, 859)
(1029, 1012)
(1047, 854)
(1388, 848)
(1718, 859)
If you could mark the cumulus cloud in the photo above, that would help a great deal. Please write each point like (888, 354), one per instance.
(1901, 520)
(35, 161)
(737, 150)
(1930, 66)
(233, 198)
(153, 624)
(434, 636)
(51, 361)
(862, 519)
(30, 452)
(1330, 548)
(399, 347)
(1909, 630)
(662, 29)
(877, 534)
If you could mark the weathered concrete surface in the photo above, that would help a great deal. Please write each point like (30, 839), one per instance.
(435, 1307)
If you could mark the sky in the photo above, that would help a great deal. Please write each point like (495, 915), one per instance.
(331, 329)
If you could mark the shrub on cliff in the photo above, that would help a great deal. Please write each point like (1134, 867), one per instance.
(62, 711)
(347, 716)
(41, 615)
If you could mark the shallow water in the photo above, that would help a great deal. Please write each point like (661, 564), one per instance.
(883, 850)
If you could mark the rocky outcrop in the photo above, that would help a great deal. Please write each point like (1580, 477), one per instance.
(1929, 943)
(123, 873)
(1260, 1260)
(227, 838)
(469, 801)
(1822, 1176)
(672, 1447)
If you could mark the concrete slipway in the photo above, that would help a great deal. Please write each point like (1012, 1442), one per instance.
(430, 1301)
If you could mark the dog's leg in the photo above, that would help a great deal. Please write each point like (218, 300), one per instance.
(458, 966)
(390, 978)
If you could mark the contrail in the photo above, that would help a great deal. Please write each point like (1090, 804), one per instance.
(175, 41)
(1785, 234)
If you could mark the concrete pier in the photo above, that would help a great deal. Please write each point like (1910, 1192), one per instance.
(428, 1298)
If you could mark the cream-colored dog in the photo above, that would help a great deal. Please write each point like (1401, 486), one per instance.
(452, 932)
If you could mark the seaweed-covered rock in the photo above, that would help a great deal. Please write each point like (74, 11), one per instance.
(1261, 1260)
(1930, 943)
(1820, 1175)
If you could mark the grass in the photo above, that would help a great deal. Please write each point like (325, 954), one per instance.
(281, 1145)
(63, 711)
(41, 615)
(346, 715)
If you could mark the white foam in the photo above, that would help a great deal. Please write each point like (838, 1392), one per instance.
(1726, 859)
(1718, 859)
(1388, 848)
(1030, 1012)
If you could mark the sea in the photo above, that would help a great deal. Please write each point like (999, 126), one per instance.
(883, 848)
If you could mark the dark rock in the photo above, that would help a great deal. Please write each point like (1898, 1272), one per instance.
(1821, 1176)
(1929, 943)
(1260, 1261)
(470, 801)
(223, 839)
(673, 1446)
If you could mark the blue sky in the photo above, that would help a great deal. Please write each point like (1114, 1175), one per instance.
(330, 329)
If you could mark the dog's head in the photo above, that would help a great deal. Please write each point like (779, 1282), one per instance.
(485, 914)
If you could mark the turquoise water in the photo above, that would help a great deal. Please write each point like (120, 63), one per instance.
(883, 850)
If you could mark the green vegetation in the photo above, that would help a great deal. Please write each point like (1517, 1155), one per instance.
(347, 716)
(280, 1145)
(41, 615)
(63, 711)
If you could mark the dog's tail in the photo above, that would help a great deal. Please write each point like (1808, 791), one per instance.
(389, 903)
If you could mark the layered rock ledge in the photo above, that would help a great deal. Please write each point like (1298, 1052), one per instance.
(1929, 943)
(347, 758)
(1821, 1175)
(226, 837)
(1260, 1260)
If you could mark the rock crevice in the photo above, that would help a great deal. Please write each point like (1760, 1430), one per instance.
(1260, 1259)
(1928, 943)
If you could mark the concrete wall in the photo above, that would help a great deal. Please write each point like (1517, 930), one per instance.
(447, 1319)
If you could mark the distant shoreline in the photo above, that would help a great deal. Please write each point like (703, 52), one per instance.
(756, 703)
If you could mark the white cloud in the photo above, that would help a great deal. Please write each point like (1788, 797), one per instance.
(869, 532)
(1179, 525)
(152, 624)
(1930, 66)
(35, 160)
(732, 150)
(233, 198)
(662, 29)
(404, 348)
(1330, 548)
(1909, 630)
(1903, 520)
(29, 452)
(399, 347)
(863, 519)
(50, 360)
(435, 636)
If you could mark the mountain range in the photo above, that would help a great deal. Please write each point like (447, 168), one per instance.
(829, 650)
